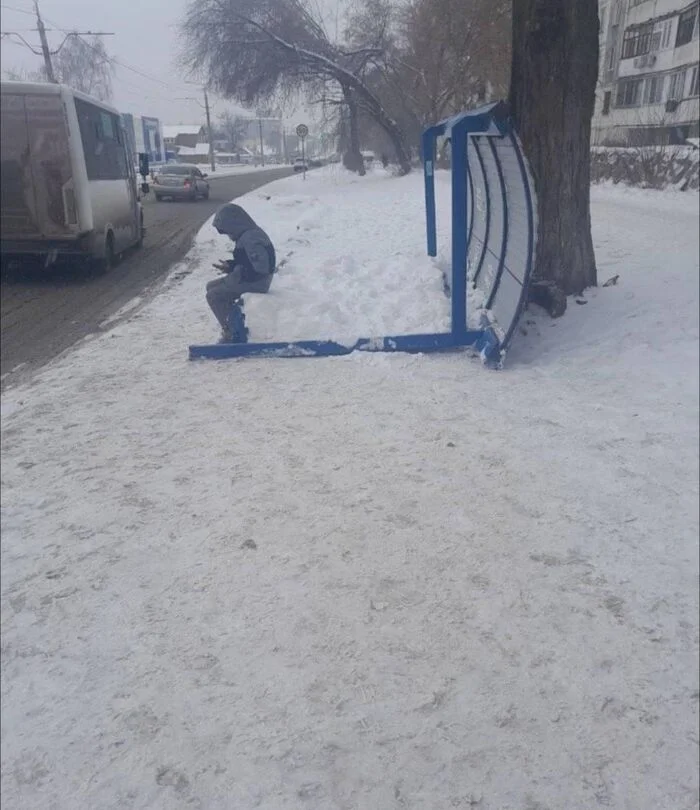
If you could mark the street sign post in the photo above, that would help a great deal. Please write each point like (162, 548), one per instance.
(302, 131)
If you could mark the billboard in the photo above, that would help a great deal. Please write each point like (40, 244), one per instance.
(144, 135)
(152, 139)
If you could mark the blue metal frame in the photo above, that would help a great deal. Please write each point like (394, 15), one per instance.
(428, 143)
(504, 235)
(493, 121)
(531, 230)
(472, 204)
(487, 226)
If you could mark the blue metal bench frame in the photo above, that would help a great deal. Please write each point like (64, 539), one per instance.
(487, 124)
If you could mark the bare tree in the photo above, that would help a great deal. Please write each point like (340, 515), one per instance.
(253, 49)
(22, 75)
(84, 65)
(552, 95)
(437, 57)
(455, 54)
(233, 128)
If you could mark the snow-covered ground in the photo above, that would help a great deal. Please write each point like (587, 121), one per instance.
(368, 582)
(222, 170)
(228, 171)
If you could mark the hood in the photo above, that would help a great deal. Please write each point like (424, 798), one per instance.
(232, 220)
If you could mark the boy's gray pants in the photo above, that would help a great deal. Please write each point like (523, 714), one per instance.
(222, 293)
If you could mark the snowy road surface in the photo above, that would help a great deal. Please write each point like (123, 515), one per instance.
(45, 312)
(368, 582)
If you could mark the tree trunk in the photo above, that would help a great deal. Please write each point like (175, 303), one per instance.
(552, 96)
(373, 107)
(352, 159)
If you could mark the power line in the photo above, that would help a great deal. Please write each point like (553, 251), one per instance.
(112, 59)
(127, 66)
(81, 36)
(20, 10)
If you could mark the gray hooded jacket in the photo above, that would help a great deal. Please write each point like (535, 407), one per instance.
(254, 252)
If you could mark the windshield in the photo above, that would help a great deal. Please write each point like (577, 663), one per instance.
(176, 170)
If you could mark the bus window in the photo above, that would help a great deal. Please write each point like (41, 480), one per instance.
(50, 158)
(105, 154)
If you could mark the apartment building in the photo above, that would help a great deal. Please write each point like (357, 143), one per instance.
(648, 75)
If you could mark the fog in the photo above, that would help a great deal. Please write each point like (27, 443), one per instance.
(145, 47)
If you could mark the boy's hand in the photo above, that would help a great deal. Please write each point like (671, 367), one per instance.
(222, 267)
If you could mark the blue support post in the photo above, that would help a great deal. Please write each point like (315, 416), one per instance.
(429, 175)
(459, 232)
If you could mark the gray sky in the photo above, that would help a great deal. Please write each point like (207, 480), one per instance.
(146, 38)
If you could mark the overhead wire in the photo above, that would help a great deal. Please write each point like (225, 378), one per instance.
(174, 87)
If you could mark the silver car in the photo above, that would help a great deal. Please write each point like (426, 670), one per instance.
(180, 181)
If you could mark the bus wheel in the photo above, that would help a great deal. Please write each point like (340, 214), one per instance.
(107, 262)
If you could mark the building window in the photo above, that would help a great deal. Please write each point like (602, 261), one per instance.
(637, 41)
(611, 57)
(629, 92)
(603, 14)
(606, 102)
(654, 90)
(666, 33)
(676, 88)
(686, 26)
(694, 86)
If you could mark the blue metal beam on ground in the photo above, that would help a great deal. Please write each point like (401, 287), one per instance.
(412, 344)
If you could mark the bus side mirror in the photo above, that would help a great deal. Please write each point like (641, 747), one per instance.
(143, 164)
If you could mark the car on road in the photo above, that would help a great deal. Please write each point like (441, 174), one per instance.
(300, 165)
(180, 181)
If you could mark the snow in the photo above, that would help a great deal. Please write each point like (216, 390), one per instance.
(222, 170)
(335, 283)
(367, 582)
(197, 149)
(173, 130)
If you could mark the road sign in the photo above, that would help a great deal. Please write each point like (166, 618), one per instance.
(302, 131)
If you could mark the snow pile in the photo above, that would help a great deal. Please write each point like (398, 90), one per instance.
(352, 256)
(374, 581)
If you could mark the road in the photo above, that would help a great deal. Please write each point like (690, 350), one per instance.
(42, 313)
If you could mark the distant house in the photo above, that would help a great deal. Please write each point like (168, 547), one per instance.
(199, 153)
(239, 155)
(187, 135)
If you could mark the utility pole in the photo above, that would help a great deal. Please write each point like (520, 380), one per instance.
(209, 135)
(45, 51)
(44, 44)
(284, 145)
(262, 148)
